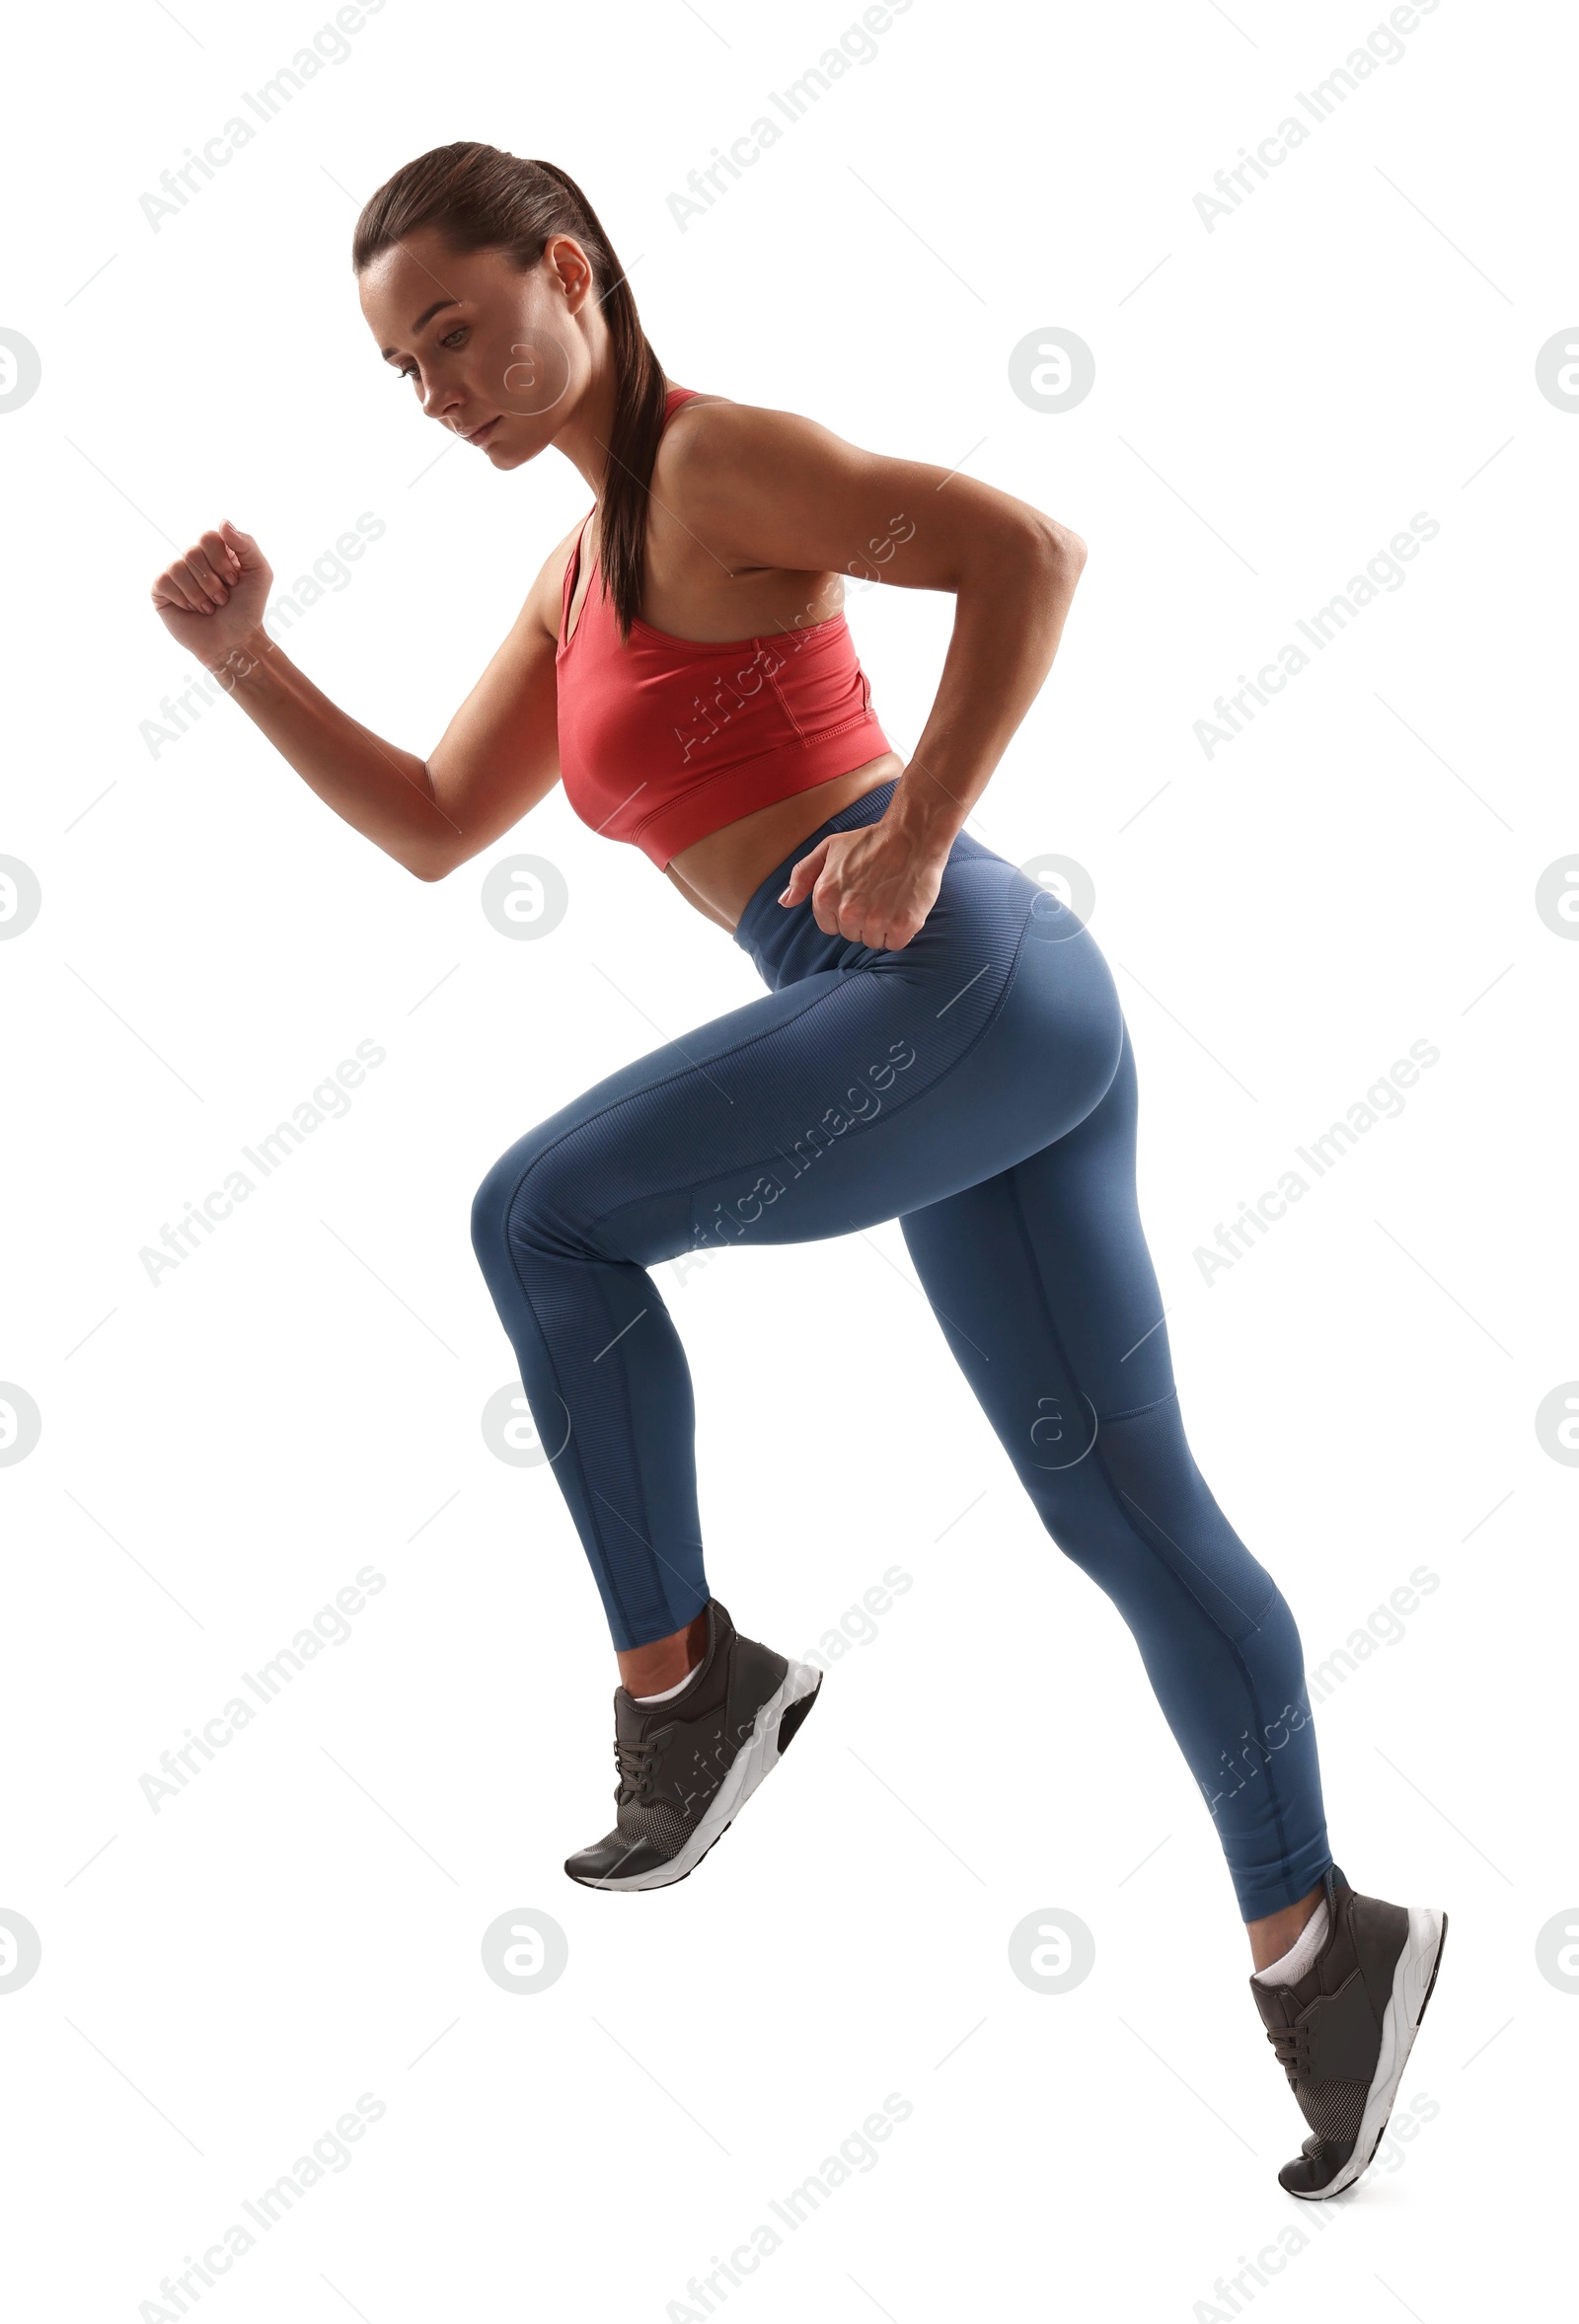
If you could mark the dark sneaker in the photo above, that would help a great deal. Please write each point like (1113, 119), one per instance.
(688, 1765)
(1343, 2031)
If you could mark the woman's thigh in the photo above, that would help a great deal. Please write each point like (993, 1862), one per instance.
(854, 1095)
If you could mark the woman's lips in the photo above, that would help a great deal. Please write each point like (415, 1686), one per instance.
(481, 435)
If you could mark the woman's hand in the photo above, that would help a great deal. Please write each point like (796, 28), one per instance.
(213, 599)
(871, 887)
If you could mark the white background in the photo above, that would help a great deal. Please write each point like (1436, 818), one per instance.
(219, 1455)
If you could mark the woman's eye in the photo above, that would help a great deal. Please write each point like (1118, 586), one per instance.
(453, 339)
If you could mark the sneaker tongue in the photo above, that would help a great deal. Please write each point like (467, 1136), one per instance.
(1269, 2000)
(633, 1721)
(630, 1720)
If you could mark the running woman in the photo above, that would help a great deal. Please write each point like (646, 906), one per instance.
(941, 1041)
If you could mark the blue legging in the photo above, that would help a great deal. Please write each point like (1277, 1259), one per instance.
(979, 1086)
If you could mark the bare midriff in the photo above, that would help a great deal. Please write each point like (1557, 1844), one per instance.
(719, 875)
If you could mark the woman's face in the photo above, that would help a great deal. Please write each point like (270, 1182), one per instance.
(495, 355)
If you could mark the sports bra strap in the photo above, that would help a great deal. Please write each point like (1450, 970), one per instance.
(573, 569)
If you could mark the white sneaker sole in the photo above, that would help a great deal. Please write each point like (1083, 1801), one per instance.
(757, 1757)
(1411, 1982)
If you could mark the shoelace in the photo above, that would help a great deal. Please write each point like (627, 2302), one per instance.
(1291, 2044)
(634, 1762)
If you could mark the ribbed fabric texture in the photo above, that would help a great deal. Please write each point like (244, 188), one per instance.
(666, 739)
(979, 1086)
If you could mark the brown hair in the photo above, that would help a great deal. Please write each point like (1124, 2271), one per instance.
(481, 199)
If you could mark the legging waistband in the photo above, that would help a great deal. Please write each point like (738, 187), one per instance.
(786, 943)
(766, 928)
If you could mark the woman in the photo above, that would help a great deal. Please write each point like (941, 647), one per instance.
(941, 1041)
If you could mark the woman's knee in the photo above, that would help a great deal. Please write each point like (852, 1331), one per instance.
(520, 1202)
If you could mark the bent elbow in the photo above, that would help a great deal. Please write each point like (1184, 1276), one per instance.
(431, 853)
(1060, 547)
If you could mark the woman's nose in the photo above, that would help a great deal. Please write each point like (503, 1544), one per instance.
(438, 398)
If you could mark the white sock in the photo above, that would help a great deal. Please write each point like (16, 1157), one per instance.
(644, 1699)
(1300, 1955)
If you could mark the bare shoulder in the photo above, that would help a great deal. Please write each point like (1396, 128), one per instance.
(718, 462)
(708, 428)
(761, 487)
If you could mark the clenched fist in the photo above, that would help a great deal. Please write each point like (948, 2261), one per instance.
(213, 599)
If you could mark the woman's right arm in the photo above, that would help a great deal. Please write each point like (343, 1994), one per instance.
(497, 758)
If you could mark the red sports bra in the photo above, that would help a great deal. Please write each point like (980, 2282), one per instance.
(666, 739)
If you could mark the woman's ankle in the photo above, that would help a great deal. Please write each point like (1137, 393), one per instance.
(1273, 1935)
(665, 1662)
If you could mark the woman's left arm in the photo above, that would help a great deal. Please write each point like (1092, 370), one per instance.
(772, 489)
